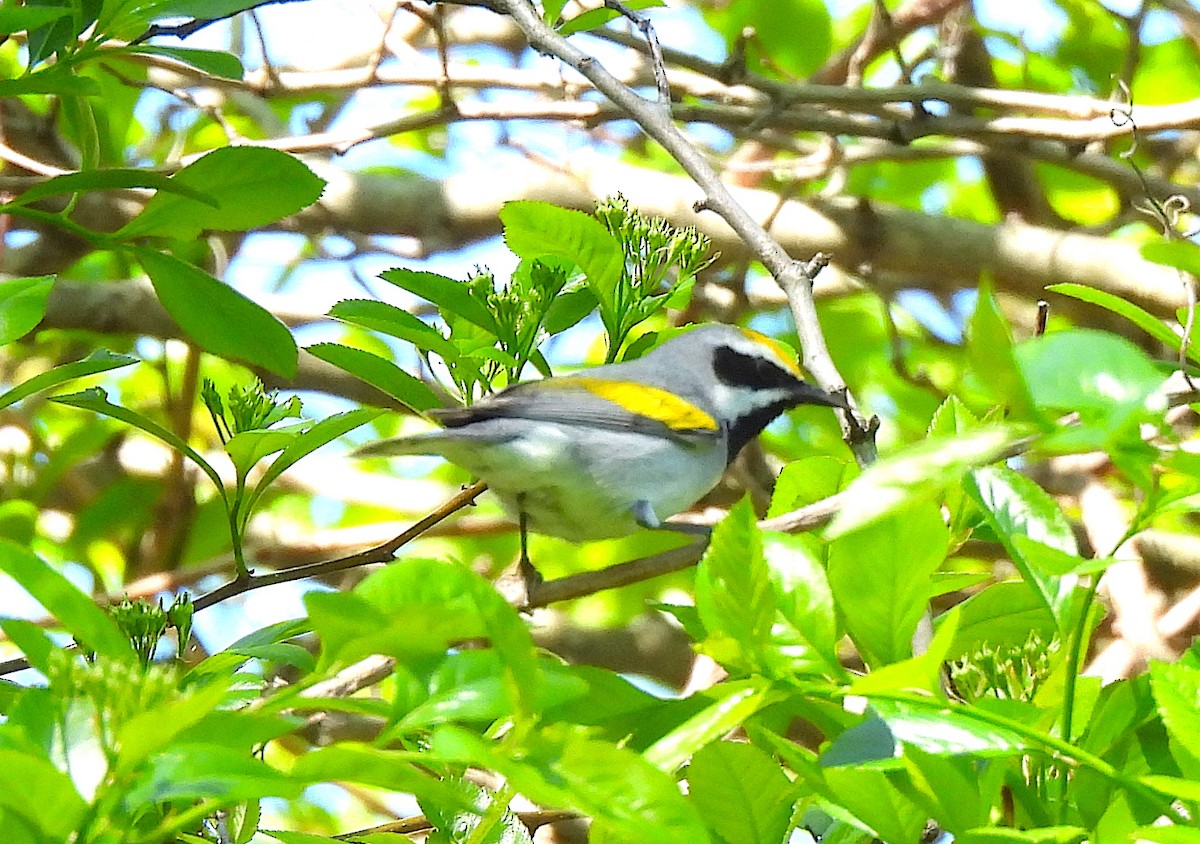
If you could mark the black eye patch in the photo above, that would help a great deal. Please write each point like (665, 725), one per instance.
(742, 370)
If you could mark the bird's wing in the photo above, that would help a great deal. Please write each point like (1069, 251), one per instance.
(597, 402)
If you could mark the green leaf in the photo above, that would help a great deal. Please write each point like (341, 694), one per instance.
(869, 797)
(733, 702)
(1103, 377)
(948, 730)
(1003, 614)
(212, 62)
(246, 187)
(538, 230)
(15, 19)
(98, 361)
(217, 317)
(1144, 320)
(53, 80)
(289, 837)
(388, 769)
(1167, 834)
(31, 640)
(1014, 505)
(1177, 693)
(96, 400)
(992, 359)
(774, 26)
(741, 792)
(625, 795)
(956, 791)
(248, 447)
(808, 480)
(22, 305)
(416, 610)
(453, 298)
(155, 729)
(37, 792)
(94, 180)
(304, 444)
(1181, 255)
(77, 613)
(1038, 835)
(395, 322)
(951, 419)
(920, 473)
(733, 590)
(381, 374)
(880, 576)
(552, 10)
(593, 18)
(805, 601)
(207, 771)
(924, 672)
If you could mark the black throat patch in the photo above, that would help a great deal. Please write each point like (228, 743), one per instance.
(756, 373)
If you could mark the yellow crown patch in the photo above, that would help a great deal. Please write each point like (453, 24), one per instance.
(786, 354)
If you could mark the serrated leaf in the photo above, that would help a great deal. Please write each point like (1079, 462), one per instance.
(395, 322)
(218, 318)
(880, 577)
(537, 230)
(1177, 693)
(247, 187)
(453, 298)
(379, 373)
(741, 792)
(417, 610)
(805, 601)
(77, 613)
(22, 305)
(733, 589)
(1015, 505)
(625, 795)
(951, 419)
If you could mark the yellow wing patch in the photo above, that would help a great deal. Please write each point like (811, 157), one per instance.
(645, 401)
(786, 354)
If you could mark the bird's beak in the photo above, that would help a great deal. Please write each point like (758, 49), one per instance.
(806, 393)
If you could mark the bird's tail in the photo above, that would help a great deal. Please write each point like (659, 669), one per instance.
(430, 442)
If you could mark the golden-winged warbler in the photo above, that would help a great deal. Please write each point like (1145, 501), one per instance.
(600, 453)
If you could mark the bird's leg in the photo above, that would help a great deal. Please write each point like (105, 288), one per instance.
(531, 577)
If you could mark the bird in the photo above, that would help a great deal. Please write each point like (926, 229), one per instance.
(607, 451)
